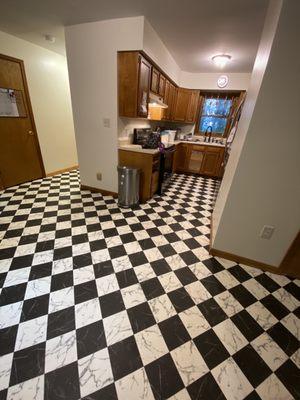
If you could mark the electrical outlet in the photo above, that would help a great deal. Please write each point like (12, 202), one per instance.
(106, 122)
(267, 232)
(99, 176)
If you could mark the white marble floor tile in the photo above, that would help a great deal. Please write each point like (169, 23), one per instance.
(107, 284)
(17, 276)
(94, 372)
(33, 389)
(286, 299)
(200, 270)
(269, 351)
(231, 380)
(63, 265)
(87, 312)
(144, 272)
(256, 289)
(194, 321)
(83, 274)
(296, 358)
(31, 332)
(181, 395)
(117, 327)
(189, 362)
(162, 308)
(261, 315)
(134, 386)
(272, 388)
(121, 263)
(5, 368)
(38, 287)
(100, 256)
(133, 295)
(60, 351)
(151, 344)
(230, 336)
(61, 299)
(169, 282)
(10, 314)
(228, 303)
(292, 324)
(227, 279)
(197, 292)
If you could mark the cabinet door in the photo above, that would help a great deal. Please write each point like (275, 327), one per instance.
(169, 100)
(195, 159)
(181, 158)
(193, 106)
(211, 162)
(154, 81)
(181, 104)
(162, 84)
(143, 87)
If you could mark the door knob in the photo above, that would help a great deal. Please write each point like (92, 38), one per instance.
(31, 133)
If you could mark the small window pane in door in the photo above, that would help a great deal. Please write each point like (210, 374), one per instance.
(11, 103)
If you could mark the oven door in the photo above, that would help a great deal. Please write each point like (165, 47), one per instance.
(166, 168)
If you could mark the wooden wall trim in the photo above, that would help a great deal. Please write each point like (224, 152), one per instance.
(244, 260)
(61, 171)
(97, 190)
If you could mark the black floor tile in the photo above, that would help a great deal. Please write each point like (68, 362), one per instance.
(289, 375)
(152, 288)
(35, 307)
(111, 303)
(12, 294)
(164, 378)
(239, 273)
(212, 312)
(205, 388)
(213, 285)
(247, 325)
(141, 317)
(61, 322)
(160, 267)
(185, 275)
(180, 299)
(213, 265)
(267, 282)
(275, 307)
(285, 339)
(62, 383)
(125, 357)
(60, 281)
(27, 363)
(211, 348)
(106, 393)
(90, 338)
(126, 278)
(7, 339)
(243, 295)
(252, 365)
(174, 332)
(85, 291)
(102, 269)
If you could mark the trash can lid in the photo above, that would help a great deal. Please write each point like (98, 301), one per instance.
(123, 168)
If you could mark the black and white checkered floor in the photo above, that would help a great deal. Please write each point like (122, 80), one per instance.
(99, 302)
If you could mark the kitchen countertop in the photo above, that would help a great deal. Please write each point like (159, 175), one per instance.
(155, 151)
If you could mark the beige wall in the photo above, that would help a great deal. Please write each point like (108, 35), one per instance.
(47, 77)
(208, 81)
(92, 61)
(261, 182)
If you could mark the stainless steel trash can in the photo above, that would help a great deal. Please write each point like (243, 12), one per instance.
(129, 185)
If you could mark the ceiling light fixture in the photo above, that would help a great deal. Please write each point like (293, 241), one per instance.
(221, 60)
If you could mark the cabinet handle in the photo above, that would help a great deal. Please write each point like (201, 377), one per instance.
(31, 133)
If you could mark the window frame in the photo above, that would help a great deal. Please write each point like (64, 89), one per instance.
(234, 95)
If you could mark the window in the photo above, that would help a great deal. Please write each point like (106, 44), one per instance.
(215, 112)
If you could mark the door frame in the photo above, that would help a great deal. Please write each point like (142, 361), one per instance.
(30, 111)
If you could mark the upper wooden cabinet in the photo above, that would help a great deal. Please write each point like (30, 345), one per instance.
(185, 105)
(137, 76)
(155, 75)
(134, 74)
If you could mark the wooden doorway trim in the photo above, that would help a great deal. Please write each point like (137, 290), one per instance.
(30, 111)
(290, 265)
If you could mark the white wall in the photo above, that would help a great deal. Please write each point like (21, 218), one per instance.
(92, 61)
(158, 52)
(261, 182)
(208, 81)
(47, 77)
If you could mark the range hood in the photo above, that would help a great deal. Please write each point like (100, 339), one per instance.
(156, 101)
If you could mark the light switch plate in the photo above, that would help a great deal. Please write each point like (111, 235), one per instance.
(267, 232)
(106, 122)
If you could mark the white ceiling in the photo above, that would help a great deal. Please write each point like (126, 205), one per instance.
(192, 30)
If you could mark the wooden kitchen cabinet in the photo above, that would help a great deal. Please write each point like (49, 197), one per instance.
(169, 100)
(134, 74)
(162, 85)
(197, 159)
(185, 105)
(149, 165)
(181, 158)
(155, 75)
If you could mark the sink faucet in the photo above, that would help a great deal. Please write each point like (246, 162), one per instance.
(206, 133)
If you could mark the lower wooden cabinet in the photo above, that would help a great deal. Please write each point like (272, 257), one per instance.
(149, 166)
(197, 159)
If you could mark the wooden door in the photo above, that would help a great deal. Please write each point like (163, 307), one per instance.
(195, 158)
(143, 86)
(181, 104)
(20, 156)
(211, 162)
(193, 106)
(291, 263)
(154, 81)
